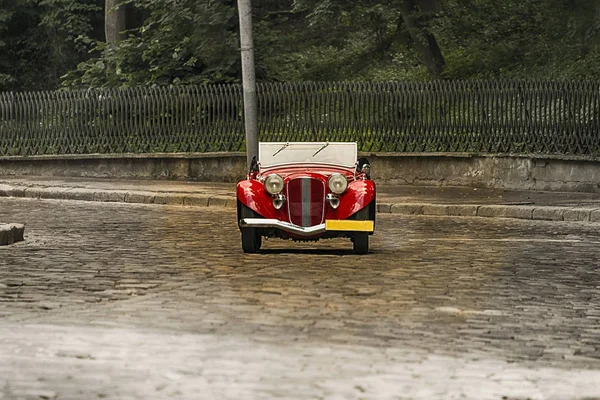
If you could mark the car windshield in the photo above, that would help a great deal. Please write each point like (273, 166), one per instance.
(333, 153)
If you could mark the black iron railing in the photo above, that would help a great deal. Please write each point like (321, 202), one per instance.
(546, 117)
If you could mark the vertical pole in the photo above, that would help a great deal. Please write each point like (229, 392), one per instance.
(248, 79)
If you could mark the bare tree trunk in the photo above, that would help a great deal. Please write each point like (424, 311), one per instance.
(114, 22)
(424, 41)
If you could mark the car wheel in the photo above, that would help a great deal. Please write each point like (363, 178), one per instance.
(361, 243)
(251, 239)
(361, 239)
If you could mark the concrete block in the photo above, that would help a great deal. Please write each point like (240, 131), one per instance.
(46, 193)
(196, 200)
(595, 216)
(407, 208)
(384, 208)
(111, 196)
(172, 199)
(519, 212)
(18, 232)
(52, 193)
(546, 213)
(435, 209)
(18, 192)
(10, 191)
(33, 193)
(577, 214)
(221, 201)
(80, 194)
(4, 235)
(505, 211)
(5, 191)
(140, 198)
(491, 211)
(462, 210)
(10, 233)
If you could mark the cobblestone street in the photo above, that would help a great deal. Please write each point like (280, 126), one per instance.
(122, 301)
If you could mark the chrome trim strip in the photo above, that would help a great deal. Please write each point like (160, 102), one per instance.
(306, 194)
(286, 226)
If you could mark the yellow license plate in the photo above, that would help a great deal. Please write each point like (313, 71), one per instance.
(349, 225)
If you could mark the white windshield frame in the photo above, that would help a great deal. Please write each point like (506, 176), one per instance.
(274, 154)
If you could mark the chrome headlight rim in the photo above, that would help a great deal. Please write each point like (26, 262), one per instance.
(274, 184)
(335, 179)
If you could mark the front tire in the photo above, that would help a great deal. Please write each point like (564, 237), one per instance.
(361, 243)
(360, 240)
(251, 238)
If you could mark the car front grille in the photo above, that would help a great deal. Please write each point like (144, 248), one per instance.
(306, 201)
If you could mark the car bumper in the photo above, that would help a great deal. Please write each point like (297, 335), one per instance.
(329, 225)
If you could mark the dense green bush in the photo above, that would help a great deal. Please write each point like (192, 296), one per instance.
(48, 43)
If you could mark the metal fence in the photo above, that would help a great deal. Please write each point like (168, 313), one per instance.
(547, 117)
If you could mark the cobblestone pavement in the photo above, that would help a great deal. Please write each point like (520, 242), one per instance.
(118, 301)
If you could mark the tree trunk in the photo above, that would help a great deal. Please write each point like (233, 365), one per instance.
(424, 41)
(114, 22)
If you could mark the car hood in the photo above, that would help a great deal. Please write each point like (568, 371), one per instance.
(314, 171)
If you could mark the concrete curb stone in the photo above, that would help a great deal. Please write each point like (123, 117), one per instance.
(196, 200)
(463, 210)
(169, 199)
(407, 208)
(503, 211)
(11, 233)
(435, 209)
(18, 232)
(5, 191)
(45, 193)
(549, 213)
(140, 197)
(10, 191)
(112, 196)
(578, 214)
(384, 208)
(595, 216)
(222, 201)
(80, 194)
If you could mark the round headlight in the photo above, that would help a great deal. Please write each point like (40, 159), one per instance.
(337, 183)
(274, 184)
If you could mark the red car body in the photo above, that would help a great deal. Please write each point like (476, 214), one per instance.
(310, 209)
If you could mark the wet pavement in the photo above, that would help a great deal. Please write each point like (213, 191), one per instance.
(123, 301)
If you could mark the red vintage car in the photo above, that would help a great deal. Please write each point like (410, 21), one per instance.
(306, 192)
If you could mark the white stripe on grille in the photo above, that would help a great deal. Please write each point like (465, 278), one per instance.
(306, 201)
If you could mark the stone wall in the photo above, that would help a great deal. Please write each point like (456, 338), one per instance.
(438, 169)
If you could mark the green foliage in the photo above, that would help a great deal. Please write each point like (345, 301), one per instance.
(523, 39)
(171, 42)
(42, 39)
(332, 40)
(180, 42)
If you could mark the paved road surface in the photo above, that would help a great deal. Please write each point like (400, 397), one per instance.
(125, 301)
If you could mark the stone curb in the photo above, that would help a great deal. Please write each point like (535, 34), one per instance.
(120, 196)
(529, 212)
(11, 233)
